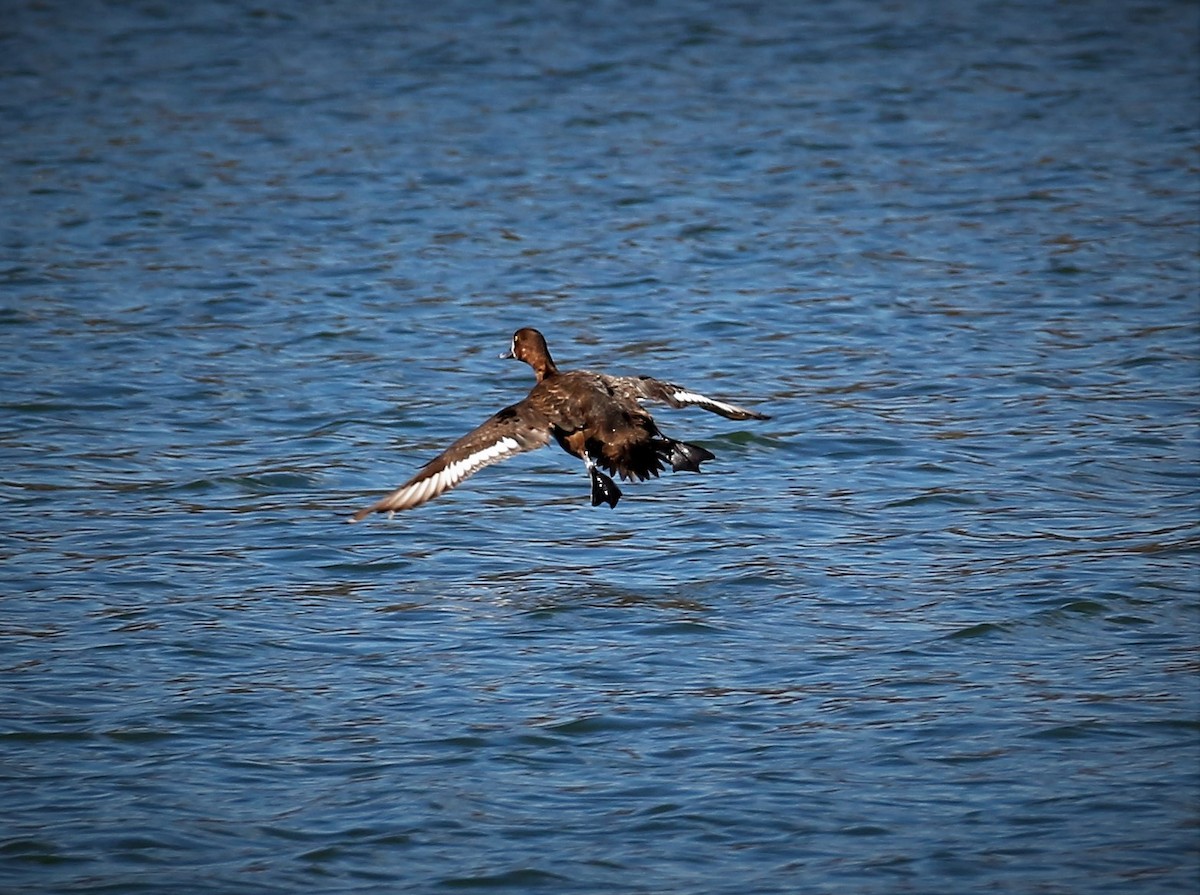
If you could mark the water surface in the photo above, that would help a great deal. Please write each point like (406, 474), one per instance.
(932, 628)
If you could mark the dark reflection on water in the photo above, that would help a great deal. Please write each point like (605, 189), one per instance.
(933, 628)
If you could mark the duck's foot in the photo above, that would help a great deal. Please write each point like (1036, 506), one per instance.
(604, 489)
(683, 456)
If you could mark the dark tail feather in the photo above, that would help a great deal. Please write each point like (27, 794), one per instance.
(683, 456)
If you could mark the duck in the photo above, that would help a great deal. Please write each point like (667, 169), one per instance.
(597, 418)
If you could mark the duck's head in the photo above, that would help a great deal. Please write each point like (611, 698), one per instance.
(529, 345)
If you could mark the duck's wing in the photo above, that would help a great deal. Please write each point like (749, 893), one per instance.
(512, 431)
(646, 388)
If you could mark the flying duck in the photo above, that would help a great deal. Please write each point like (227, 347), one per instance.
(592, 416)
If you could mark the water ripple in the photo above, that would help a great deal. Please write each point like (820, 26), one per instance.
(931, 628)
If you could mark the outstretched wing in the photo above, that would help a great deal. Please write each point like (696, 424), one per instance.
(512, 431)
(646, 388)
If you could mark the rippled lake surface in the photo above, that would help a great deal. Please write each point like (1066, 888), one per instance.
(932, 628)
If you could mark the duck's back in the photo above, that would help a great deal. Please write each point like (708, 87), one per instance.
(590, 416)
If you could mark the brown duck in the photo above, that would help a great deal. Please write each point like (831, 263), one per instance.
(597, 418)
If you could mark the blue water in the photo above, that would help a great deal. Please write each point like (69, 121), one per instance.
(934, 628)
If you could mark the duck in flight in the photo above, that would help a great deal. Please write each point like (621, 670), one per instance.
(597, 418)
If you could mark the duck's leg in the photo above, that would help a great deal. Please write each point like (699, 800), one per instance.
(604, 489)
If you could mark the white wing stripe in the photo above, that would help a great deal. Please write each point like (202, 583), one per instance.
(456, 472)
(460, 469)
(686, 397)
(425, 489)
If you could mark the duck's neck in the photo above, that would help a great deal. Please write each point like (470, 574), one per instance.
(541, 361)
(543, 368)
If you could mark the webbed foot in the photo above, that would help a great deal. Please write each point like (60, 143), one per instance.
(604, 489)
(683, 456)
